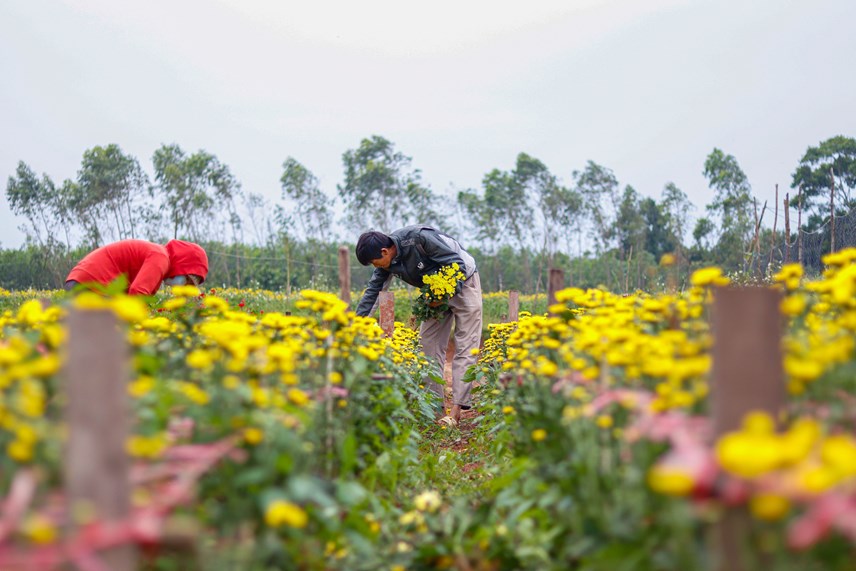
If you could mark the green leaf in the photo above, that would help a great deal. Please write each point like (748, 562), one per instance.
(250, 477)
(350, 493)
(309, 489)
(270, 495)
(349, 453)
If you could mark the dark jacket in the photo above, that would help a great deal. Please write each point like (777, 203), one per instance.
(421, 250)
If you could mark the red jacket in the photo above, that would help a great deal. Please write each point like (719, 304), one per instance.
(144, 264)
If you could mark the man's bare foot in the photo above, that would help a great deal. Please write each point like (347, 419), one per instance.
(456, 413)
(453, 418)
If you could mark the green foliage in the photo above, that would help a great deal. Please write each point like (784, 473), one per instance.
(598, 187)
(194, 189)
(732, 203)
(107, 200)
(523, 209)
(432, 300)
(675, 207)
(291, 265)
(831, 164)
(828, 167)
(41, 203)
(630, 224)
(312, 208)
(381, 191)
(522, 221)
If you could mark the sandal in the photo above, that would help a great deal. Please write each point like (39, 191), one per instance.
(448, 421)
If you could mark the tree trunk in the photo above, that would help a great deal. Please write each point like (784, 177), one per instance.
(832, 211)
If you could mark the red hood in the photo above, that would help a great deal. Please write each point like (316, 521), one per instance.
(186, 258)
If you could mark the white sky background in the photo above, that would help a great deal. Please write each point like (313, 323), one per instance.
(645, 87)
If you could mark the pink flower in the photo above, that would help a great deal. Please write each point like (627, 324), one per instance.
(816, 522)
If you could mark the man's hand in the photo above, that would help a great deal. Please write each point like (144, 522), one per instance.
(435, 304)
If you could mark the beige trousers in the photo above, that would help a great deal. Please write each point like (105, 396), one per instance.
(466, 311)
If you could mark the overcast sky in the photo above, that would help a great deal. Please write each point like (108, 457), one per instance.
(645, 87)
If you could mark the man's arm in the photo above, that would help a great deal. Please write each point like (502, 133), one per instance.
(439, 250)
(377, 282)
(150, 276)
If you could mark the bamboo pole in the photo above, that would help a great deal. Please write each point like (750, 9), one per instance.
(773, 237)
(786, 206)
(799, 227)
(756, 248)
(755, 236)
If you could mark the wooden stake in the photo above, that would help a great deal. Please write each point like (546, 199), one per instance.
(747, 375)
(97, 475)
(557, 282)
(344, 274)
(513, 305)
(387, 312)
(747, 355)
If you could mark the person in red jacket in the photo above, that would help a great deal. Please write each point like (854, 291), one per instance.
(144, 264)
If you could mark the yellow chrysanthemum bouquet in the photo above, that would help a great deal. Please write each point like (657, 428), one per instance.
(434, 296)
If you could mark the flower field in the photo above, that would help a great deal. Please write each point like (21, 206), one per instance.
(285, 432)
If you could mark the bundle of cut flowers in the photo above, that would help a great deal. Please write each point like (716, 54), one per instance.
(434, 296)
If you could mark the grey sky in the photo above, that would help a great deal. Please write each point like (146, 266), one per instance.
(645, 87)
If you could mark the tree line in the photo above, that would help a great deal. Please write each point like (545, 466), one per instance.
(520, 221)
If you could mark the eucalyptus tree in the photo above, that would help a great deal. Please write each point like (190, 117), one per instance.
(732, 204)
(42, 204)
(703, 232)
(488, 212)
(311, 212)
(630, 224)
(598, 188)
(381, 190)
(198, 192)
(546, 199)
(659, 239)
(676, 208)
(830, 165)
(261, 217)
(525, 208)
(109, 196)
(498, 217)
(570, 218)
(312, 207)
(30, 197)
